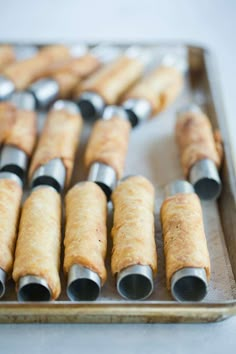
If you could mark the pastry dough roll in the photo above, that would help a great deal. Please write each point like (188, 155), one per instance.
(38, 244)
(26, 71)
(7, 119)
(159, 88)
(183, 232)
(86, 235)
(133, 225)
(111, 81)
(7, 56)
(10, 200)
(195, 139)
(23, 132)
(69, 75)
(108, 143)
(59, 139)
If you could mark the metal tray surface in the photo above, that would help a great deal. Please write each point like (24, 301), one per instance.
(146, 155)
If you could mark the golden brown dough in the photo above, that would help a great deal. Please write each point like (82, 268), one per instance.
(133, 228)
(23, 133)
(7, 119)
(108, 143)
(38, 244)
(114, 79)
(195, 139)
(26, 71)
(69, 75)
(7, 55)
(160, 88)
(59, 139)
(10, 200)
(183, 232)
(86, 235)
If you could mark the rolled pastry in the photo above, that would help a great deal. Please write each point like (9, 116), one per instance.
(183, 232)
(23, 132)
(24, 72)
(86, 235)
(160, 88)
(10, 200)
(69, 75)
(38, 244)
(7, 56)
(108, 143)
(7, 119)
(195, 139)
(133, 225)
(59, 139)
(114, 79)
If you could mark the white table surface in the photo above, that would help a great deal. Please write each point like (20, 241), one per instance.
(211, 23)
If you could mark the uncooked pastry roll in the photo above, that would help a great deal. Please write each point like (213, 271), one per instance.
(86, 235)
(195, 139)
(26, 71)
(59, 139)
(183, 232)
(114, 79)
(159, 88)
(108, 143)
(133, 228)
(7, 119)
(7, 56)
(38, 244)
(10, 200)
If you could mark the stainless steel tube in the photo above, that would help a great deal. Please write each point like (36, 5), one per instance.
(33, 288)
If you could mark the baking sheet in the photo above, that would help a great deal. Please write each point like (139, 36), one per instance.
(153, 153)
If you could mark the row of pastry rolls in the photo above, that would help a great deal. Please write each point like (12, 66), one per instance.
(37, 256)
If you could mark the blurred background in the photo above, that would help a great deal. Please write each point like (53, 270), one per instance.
(209, 23)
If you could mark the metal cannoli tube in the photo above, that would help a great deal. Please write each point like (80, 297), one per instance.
(186, 254)
(85, 241)
(37, 257)
(134, 257)
(200, 153)
(153, 93)
(107, 147)
(107, 85)
(19, 75)
(7, 56)
(58, 141)
(10, 200)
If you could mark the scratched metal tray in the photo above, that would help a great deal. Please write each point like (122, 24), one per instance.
(202, 87)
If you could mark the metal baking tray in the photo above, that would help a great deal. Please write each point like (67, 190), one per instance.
(202, 87)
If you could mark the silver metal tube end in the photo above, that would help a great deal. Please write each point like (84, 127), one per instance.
(105, 53)
(189, 284)
(7, 88)
(189, 108)
(91, 105)
(206, 180)
(135, 282)
(3, 277)
(13, 160)
(45, 91)
(52, 174)
(23, 100)
(24, 52)
(33, 288)
(83, 284)
(11, 176)
(179, 186)
(67, 105)
(114, 111)
(104, 176)
(138, 110)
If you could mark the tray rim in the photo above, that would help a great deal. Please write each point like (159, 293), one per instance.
(178, 312)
